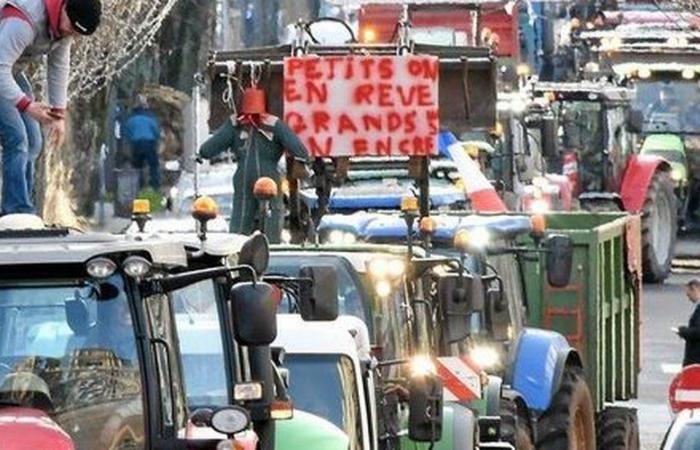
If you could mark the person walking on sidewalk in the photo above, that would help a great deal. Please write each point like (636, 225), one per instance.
(143, 133)
(691, 332)
(30, 29)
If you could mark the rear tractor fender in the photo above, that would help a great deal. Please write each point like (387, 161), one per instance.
(637, 177)
(537, 364)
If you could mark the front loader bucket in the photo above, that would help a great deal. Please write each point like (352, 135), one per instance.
(467, 90)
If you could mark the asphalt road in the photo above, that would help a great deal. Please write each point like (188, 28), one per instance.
(664, 306)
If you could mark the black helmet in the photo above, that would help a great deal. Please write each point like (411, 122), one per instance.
(84, 15)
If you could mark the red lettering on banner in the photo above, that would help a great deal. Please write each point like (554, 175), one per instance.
(318, 91)
(363, 105)
(372, 122)
(433, 120)
(293, 65)
(311, 69)
(386, 68)
(385, 97)
(360, 147)
(332, 60)
(318, 151)
(295, 122)
(425, 97)
(321, 120)
(363, 94)
(290, 91)
(367, 67)
(384, 146)
(393, 121)
(346, 124)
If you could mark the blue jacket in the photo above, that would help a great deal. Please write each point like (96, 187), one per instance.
(142, 126)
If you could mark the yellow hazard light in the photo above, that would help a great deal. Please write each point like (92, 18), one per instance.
(409, 205)
(265, 189)
(461, 240)
(205, 208)
(427, 225)
(141, 206)
(538, 224)
(523, 70)
(369, 35)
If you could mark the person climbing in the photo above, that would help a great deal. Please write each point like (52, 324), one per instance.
(142, 131)
(258, 141)
(30, 29)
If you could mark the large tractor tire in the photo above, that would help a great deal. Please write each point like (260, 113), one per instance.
(569, 422)
(618, 429)
(515, 425)
(659, 228)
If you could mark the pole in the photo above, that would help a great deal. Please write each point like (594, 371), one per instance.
(261, 371)
(196, 94)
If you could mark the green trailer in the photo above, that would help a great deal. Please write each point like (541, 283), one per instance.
(599, 311)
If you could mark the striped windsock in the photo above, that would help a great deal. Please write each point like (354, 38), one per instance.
(481, 193)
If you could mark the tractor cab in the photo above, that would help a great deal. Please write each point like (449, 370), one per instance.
(90, 338)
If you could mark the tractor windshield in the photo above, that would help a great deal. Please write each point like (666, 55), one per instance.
(581, 131)
(68, 347)
(325, 385)
(669, 106)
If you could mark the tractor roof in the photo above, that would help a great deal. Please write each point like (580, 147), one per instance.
(583, 91)
(36, 245)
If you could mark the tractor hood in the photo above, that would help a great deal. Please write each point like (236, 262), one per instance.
(26, 428)
(377, 227)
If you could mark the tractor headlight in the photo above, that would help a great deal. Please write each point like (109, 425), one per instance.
(472, 239)
(136, 266)
(485, 356)
(382, 268)
(422, 365)
(677, 175)
(101, 268)
(383, 288)
(339, 237)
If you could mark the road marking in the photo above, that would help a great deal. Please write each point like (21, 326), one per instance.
(671, 369)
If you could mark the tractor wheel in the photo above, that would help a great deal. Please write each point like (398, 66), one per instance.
(569, 422)
(515, 425)
(618, 429)
(659, 228)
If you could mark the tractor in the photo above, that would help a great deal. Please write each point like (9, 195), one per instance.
(588, 133)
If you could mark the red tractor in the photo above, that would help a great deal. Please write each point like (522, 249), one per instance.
(588, 133)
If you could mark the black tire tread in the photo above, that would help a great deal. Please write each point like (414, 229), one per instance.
(661, 184)
(553, 424)
(513, 422)
(617, 429)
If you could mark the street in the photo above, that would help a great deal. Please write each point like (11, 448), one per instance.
(664, 306)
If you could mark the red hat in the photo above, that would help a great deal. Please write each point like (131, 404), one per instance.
(253, 101)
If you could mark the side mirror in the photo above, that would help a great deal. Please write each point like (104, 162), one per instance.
(255, 253)
(635, 121)
(461, 303)
(549, 138)
(560, 258)
(254, 311)
(425, 408)
(318, 299)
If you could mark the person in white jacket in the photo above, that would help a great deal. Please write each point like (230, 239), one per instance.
(31, 29)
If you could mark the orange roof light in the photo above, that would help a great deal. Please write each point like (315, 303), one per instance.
(409, 205)
(265, 189)
(369, 35)
(141, 206)
(205, 208)
(461, 240)
(538, 224)
(428, 225)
